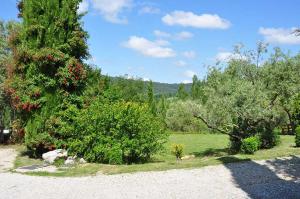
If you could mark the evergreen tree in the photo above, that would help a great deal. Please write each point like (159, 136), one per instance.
(181, 93)
(195, 87)
(49, 75)
(162, 107)
(151, 99)
(6, 28)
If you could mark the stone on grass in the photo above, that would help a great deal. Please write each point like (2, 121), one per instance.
(188, 157)
(82, 161)
(51, 156)
(70, 161)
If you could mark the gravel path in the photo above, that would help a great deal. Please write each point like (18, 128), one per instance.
(7, 157)
(278, 178)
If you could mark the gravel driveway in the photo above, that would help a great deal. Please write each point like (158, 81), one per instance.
(278, 178)
(7, 156)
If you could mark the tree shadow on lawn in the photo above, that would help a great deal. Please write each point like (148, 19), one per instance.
(279, 178)
(211, 152)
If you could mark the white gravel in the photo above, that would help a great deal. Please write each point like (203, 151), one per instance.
(278, 178)
(7, 157)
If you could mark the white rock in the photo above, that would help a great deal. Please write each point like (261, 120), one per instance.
(70, 161)
(51, 156)
(82, 161)
(188, 157)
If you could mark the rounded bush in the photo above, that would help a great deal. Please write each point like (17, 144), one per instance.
(117, 133)
(297, 140)
(250, 145)
(269, 138)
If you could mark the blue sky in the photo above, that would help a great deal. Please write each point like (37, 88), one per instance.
(170, 41)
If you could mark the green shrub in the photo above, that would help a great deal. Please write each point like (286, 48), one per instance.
(180, 116)
(250, 145)
(116, 133)
(177, 150)
(269, 138)
(297, 136)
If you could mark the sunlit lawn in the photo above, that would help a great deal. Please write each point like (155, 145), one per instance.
(207, 148)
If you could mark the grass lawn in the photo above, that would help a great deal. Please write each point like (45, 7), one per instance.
(209, 149)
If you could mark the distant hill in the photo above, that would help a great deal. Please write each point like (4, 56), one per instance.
(159, 88)
(168, 89)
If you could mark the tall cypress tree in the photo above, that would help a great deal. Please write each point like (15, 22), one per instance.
(151, 99)
(49, 75)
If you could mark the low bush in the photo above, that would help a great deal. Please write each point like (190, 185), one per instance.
(250, 145)
(177, 150)
(297, 140)
(116, 133)
(269, 138)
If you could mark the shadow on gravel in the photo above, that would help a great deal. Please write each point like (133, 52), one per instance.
(263, 181)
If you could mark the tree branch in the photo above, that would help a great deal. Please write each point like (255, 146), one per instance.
(215, 128)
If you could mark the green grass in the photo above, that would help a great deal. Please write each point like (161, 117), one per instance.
(209, 149)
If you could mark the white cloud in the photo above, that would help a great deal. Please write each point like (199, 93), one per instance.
(189, 73)
(149, 48)
(83, 7)
(189, 54)
(111, 10)
(149, 10)
(180, 63)
(280, 35)
(179, 36)
(159, 33)
(162, 42)
(146, 79)
(189, 19)
(184, 35)
(227, 56)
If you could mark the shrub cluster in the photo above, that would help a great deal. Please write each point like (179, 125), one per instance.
(269, 138)
(250, 145)
(116, 133)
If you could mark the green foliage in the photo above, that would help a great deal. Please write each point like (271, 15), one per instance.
(6, 112)
(182, 94)
(127, 89)
(116, 133)
(177, 150)
(151, 99)
(59, 161)
(250, 145)
(297, 138)
(162, 108)
(48, 77)
(197, 91)
(269, 138)
(245, 99)
(180, 117)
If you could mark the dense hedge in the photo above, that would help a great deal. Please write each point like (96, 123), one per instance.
(116, 133)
